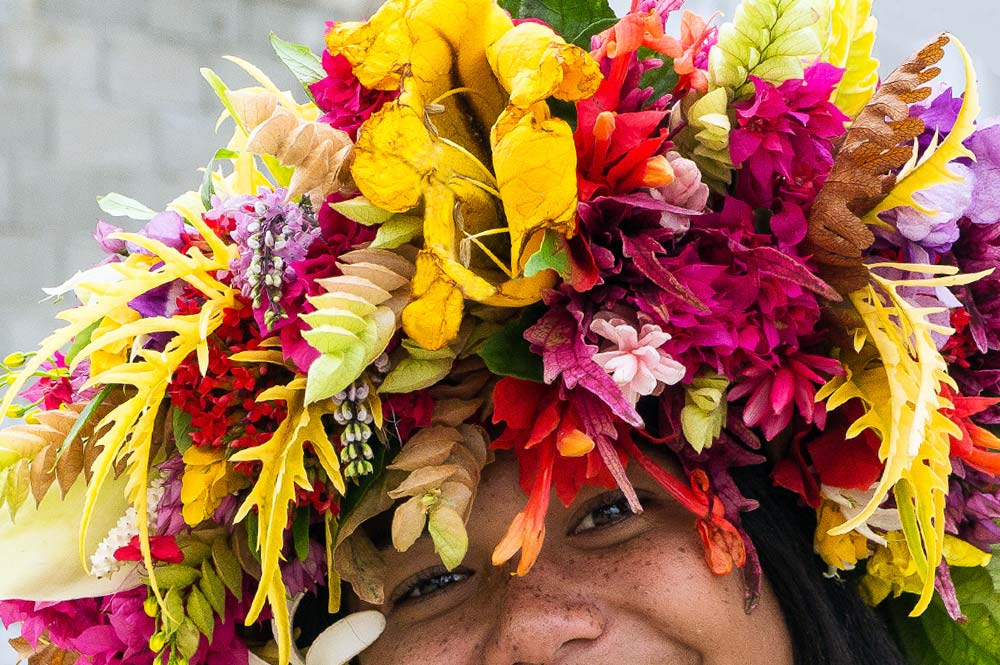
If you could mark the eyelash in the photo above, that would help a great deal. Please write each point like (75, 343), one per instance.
(433, 576)
(442, 579)
(604, 502)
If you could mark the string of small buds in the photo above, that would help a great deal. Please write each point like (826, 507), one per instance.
(275, 236)
(354, 413)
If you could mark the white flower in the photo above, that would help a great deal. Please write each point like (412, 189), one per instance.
(635, 360)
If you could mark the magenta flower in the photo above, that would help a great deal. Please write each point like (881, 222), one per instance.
(634, 358)
(783, 137)
(345, 102)
(776, 394)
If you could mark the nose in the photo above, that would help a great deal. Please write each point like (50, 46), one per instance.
(538, 615)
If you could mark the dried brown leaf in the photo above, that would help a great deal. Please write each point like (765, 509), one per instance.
(424, 480)
(422, 451)
(408, 523)
(318, 152)
(876, 146)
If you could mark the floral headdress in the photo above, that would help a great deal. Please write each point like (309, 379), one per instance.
(538, 224)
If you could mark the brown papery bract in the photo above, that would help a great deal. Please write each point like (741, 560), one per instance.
(876, 146)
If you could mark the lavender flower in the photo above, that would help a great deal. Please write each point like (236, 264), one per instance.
(271, 234)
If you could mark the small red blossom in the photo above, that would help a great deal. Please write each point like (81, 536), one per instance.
(222, 402)
(408, 411)
(978, 447)
(163, 549)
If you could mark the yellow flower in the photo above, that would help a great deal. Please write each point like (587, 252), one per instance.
(206, 482)
(893, 570)
(470, 127)
(841, 552)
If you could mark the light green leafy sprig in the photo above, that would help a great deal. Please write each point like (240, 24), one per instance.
(769, 39)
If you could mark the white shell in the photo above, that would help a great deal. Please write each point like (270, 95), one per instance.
(346, 639)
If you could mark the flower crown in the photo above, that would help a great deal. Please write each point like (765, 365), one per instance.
(538, 224)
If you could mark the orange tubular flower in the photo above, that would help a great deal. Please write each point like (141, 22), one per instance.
(978, 447)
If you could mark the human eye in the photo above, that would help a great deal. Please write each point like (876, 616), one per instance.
(603, 511)
(428, 583)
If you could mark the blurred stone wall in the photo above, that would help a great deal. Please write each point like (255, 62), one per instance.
(106, 95)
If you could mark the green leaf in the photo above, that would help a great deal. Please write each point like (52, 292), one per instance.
(182, 429)
(195, 552)
(574, 20)
(81, 420)
(187, 639)
(173, 610)
(448, 533)
(934, 639)
(507, 353)
(212, 587)
(222, 91)
(253, 535)
(300, 533)
(305, 66)
(398, 230)
(80, 342)
(176, 576)
(200, 612)
(207, 189)
(550, 255)
(228, 567)
(117, 205)
(362, 211)
(663, 79)
(770, 39)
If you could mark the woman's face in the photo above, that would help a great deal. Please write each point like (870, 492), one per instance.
(608, 587)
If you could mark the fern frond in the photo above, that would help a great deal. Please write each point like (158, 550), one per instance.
(933, 170)
(897, 373)
(283, 469)
(769, 39)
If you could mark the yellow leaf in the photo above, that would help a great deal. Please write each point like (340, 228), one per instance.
(898, 376)
(852, 38)
(282, 460)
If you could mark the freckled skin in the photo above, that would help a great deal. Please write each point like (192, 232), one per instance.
(634, 592)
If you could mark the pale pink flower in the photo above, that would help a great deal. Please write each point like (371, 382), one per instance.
(685, 191)
(635, 360)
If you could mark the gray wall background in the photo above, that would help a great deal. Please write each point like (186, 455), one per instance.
(105, 95)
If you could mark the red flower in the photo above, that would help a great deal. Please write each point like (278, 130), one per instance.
(547, 436)
(163, 548)
(978, 447)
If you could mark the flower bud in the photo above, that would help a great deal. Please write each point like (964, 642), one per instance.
(157, 642)
(15, 360)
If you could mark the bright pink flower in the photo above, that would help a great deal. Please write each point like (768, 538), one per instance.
(783, 138)
(635, 359)
(775, 394)
(345, 102)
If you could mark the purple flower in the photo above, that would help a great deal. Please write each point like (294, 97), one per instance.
(985, 207)
(168, 228)
(973, 506)
(109, 245)
(935, 233)
(271, 234)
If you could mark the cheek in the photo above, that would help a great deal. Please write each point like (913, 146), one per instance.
(663, 578)
(434, 640)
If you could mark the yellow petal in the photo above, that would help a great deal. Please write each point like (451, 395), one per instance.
(393, 156)
(433, 318)
(535, 163)
(534, 63)
(442, 44)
